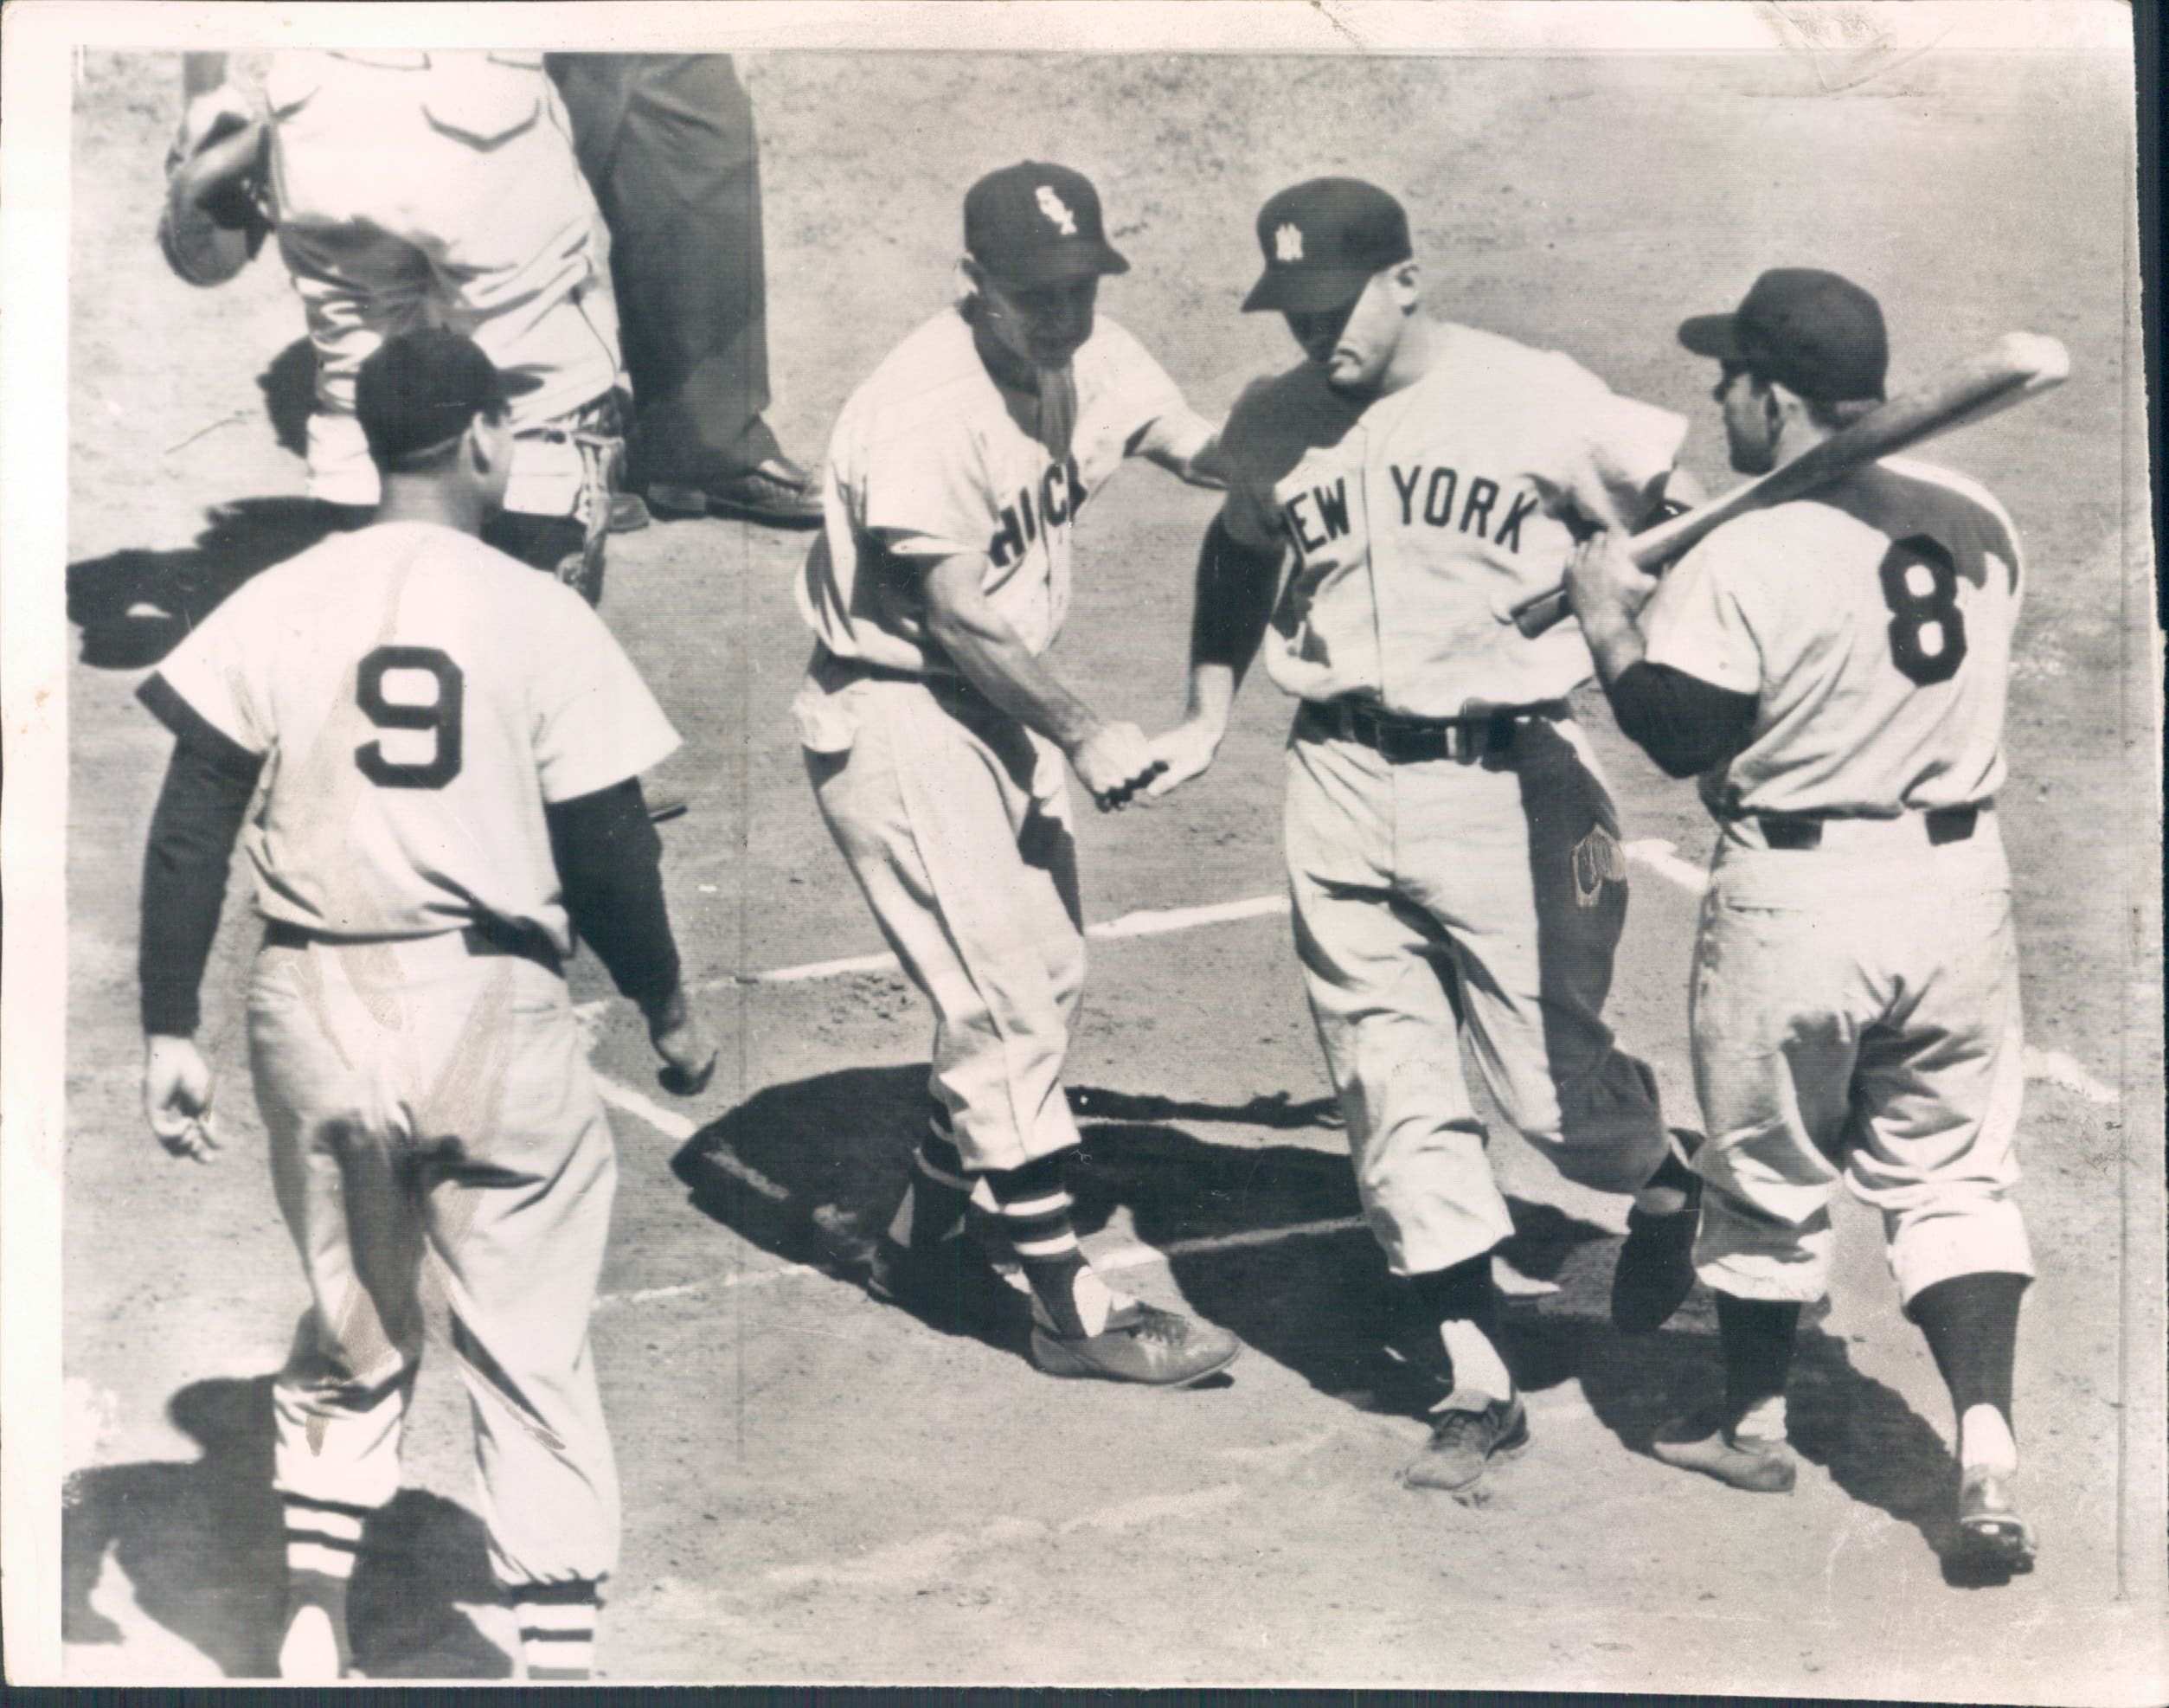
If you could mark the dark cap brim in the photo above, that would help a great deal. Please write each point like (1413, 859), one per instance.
(1308, 290)
(518, 381)
(1081, 259)
(1716, 336)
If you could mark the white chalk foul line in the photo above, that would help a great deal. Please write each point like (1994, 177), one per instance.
(1144, 922)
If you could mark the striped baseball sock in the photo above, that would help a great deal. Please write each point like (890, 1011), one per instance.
(324, 1541)
(1067, 1296)
(932, 1205)
(557, 1627)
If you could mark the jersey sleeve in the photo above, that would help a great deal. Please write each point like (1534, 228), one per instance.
(1700, 623)
(1616, 448)
(923, 491)
(212, 673)
(595, 722)
(1250, 513)
(1154, 412)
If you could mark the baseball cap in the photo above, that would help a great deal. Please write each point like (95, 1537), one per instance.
(1811, 331)
(1323, 241)
(1037, 224)
(418, 388)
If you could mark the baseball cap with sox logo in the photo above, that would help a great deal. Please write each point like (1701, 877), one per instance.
(1037, 224)
(1324, 241)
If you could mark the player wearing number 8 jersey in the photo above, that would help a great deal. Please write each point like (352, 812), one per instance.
(1835, 668)
(436, 753)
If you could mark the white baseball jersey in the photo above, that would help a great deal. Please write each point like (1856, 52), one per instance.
(927, 462)
(1420, 521)
(1872, 622)
(417, 696)
(441, 190)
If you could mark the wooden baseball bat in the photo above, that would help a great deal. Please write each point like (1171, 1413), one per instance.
(2017, 366)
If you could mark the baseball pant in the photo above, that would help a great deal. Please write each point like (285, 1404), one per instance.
(434, 1129)
(667, 143)
(1855, 1011)
(1438, 898)
(955, 820)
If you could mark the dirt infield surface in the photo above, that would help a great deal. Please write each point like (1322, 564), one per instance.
(818, 1488)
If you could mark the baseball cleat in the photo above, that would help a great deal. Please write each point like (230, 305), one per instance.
(1702, 1442)
(954, 1287)
(1141, 1344)
(1990, 1530)
(1464, 1443)
(1655, 1271)
(628, 514)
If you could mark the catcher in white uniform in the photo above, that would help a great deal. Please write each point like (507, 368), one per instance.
(938, 743)
(1835, 668)
(411, 189)
(1453, 852)
(430, 755)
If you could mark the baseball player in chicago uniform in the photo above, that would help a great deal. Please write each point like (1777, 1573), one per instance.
(1453, 852)
(416, 188)
(1835, 669)
(938, 743)
(434, 755)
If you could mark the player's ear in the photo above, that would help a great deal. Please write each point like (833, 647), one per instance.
(1406, 280)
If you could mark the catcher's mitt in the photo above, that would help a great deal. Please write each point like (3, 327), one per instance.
(216, 213)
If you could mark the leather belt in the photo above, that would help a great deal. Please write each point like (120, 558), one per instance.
(487, 937)
(1402, 741)
(1795, 833)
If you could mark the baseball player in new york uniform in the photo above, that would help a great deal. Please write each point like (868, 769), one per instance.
(435, 753)
(1835, 668)
(427, 189)
(938, 743)
(1453, 853)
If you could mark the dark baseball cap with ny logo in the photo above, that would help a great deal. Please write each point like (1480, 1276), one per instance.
(1324, 241)
(1037, 224)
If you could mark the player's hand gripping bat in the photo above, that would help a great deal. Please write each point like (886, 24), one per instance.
(2017, 366)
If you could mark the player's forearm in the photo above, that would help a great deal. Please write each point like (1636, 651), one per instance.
(190, 849)
(609, 861)
(994, 659)
(1237, 584)
(1614, 637)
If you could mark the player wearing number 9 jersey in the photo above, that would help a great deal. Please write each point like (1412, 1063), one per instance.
(436, 753)
(1835, 668)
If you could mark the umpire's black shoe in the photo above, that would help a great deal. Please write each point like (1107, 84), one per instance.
(953, 1287)
(776, 492)
(1656, 1268)
(1465, 1441)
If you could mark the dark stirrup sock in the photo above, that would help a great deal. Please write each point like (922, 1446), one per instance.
(1036, 1207)
(1972, 1325)
(1756, 1336)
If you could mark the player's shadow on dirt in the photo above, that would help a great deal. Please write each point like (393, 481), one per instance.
(1259, 1238)
(1263, 1239)
(134, 605)
(197, 1547)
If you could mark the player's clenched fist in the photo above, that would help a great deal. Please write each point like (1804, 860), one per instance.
(1185, 752)
(680, 1037)
(1602, 579)
(176, 1097)
(1113, 762)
